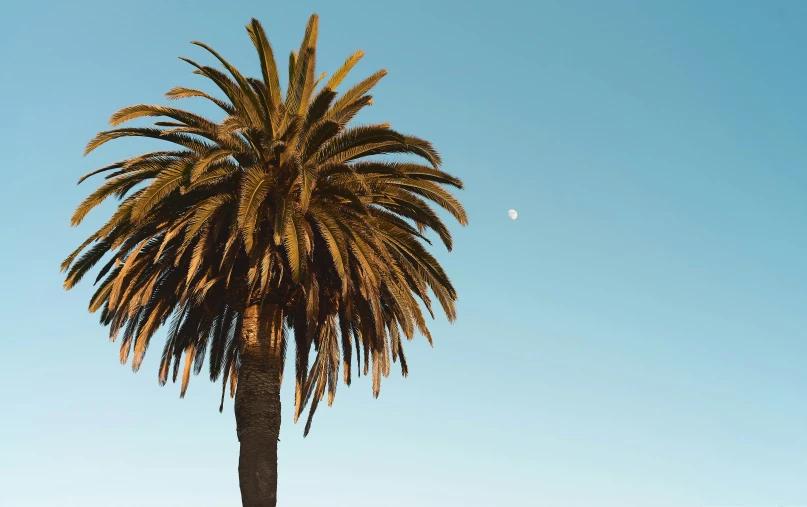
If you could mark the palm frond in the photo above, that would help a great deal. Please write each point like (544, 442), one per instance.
(343, 71)
(253, 191)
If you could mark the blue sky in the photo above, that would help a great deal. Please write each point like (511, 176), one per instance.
(637, 337)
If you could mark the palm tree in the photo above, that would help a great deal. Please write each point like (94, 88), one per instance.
(281, 222)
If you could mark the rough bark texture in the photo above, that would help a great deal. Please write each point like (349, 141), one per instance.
(257, 405)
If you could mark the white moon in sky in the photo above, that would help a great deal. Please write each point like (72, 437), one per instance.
(513, 214)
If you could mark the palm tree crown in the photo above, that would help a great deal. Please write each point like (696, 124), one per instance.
(283, 204)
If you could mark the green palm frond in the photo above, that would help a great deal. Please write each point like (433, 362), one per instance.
(180, 92)
(355, 93)
(253, 191)
(343, 71)
(268, 65)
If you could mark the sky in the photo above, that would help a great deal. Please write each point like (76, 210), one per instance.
(636, 337)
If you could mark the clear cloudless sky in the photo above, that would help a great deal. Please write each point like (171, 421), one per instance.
(635, 338)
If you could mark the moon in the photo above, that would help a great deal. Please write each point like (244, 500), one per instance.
(513, 214)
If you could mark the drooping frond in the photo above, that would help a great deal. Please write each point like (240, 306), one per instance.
(253, 191)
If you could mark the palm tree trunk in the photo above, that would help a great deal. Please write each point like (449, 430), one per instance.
(257, 404)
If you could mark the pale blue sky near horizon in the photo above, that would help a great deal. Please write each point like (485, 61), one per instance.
(637, 337)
